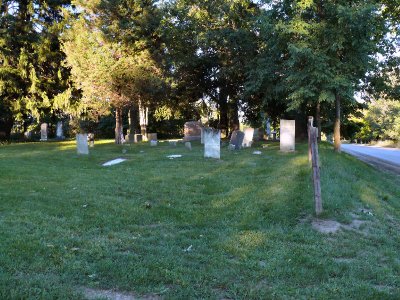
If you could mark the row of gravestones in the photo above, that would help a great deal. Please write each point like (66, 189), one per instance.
(212, 139)
(44, 129)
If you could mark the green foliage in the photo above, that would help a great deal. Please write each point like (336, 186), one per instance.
(382, 121)
(31, 74)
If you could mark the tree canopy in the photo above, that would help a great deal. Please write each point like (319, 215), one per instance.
(190, 57)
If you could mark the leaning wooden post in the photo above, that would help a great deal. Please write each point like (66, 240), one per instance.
(309, 126)
(316, 173)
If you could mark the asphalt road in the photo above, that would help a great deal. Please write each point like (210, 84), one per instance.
(383, 158)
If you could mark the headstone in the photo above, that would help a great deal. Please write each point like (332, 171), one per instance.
(43, 132)
(192, 131)
(59, 131)
(137, 138)
(130, 138)
(91, 140)
(188, 145)
(287, 135)
(268, 127)
(153, 143)
(248, 137)
(237, 139)
(202, 135)
(172, 143)
(82, 143)
(212, 143)
(152, 136)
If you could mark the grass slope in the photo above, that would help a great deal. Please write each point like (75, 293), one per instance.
(67, 224)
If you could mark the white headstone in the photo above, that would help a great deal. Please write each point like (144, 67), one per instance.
(153, 143)
(43, 132)
(248, 137)
(82, 143)
(212, 143)
(59, 131)
(287, 135)
(188, 145)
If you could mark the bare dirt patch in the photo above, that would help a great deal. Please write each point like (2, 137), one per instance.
(330, 226)
(115, 295)
(326, 226)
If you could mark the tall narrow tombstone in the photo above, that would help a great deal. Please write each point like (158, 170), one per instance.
(192, 131)
(248, 137)
(43, 132)
(212, 143)
(59, 131)
(287, 135)
(237, 139)
(82, 143)
(268, 128)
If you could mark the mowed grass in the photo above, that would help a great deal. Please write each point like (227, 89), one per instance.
(193, 228)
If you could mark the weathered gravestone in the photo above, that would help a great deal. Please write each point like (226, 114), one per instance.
(188, 145)
(212, 143)
(130, 138)
(153, 143)
(287, 135)
(43, 132)
(59, 131)
(237, 139)
(248, 137)
(91, 140)
(192, 131)
(152, 136)
(82, 143)
(137, 138)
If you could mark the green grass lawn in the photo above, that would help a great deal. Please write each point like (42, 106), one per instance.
(67, 224)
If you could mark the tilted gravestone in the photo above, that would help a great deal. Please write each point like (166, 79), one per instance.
(248, 137)
(82, 143)
(192, 131)
(212, 143)
(237, 139)
(43, 132)
(287, 135)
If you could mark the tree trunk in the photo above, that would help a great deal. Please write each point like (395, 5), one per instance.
(318, 119)
(223, 111)
(234, 116)
(133, 119)
(118, 126)
(336, 131)
(143, 112)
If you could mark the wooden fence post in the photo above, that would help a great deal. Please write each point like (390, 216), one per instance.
(309, 126)
(316, 171)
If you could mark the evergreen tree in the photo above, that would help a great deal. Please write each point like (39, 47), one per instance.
(31, 74)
